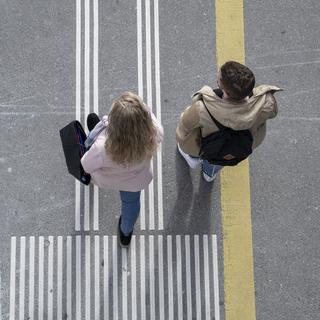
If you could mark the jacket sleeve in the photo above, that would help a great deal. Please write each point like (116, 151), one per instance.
(91, 160)
(189, 121)
(271, 106)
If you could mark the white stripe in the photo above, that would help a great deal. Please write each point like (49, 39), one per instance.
(197, 276)
(142, 279)
(170, 278)
(77, 206)
(149, 103)
(78, 278)
(31, 277)
(179, 277)
(22, 277)
(41, 280)
(97, 278)
(124, 284)
(152, 279)
(96, 207)
(115, 277)
(50, 278)
(158, 108)
(87, 208)
(133, 278)
(13, 278)
(161, 280)
(69, 277)
(78, 103)
(88, 278)
(188, 278)
(206, 276)
(106, 277)
(60, 277)
(215, 278)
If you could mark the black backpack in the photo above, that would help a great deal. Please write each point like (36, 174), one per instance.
(226, 147)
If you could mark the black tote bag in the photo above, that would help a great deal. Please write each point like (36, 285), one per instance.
(73, 138)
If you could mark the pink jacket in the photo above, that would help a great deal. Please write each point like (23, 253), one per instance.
(107, 174)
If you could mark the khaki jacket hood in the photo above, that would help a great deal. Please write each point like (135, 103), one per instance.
(239, 115)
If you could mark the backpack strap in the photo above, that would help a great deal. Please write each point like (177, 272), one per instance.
(218, 124)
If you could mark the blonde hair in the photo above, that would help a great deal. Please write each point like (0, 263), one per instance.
(131, 135)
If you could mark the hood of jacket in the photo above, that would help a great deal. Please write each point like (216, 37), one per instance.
(239, 115)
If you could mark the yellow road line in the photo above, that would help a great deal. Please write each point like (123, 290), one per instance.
(235, 185)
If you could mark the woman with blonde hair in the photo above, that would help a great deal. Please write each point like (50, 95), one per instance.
(121, 148)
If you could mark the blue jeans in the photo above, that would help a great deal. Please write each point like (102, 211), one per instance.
(130, 208)
(210, 169)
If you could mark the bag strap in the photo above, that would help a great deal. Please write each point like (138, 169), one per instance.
(218, 124)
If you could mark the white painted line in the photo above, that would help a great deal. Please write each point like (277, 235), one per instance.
(41, 279)
(78, 278)
(86, 59)
(124, 284)
(31, 277)
(115, 277)
(95, 207)
(188, 278)
(179, 277)
(206, 276)
(59, 276)
(22, 272)
(133, 278)
(170, 278)
(158, 109)
(13, 278)
(140, 93)
(87, 208)
(152, 278)
(197, 276)
(161, 278)
(149, 103)
(50, 278)
(106, 277)
(77, 225)
(69, 278)
(95, 56)
(97, 278)
(215, 278)
(88, 278)
(142, 279)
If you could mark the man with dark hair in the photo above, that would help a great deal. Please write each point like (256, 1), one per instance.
(237, 105)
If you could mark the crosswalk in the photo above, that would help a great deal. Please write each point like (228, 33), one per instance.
(91, 277)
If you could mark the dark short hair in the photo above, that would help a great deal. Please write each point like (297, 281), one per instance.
(238, 80)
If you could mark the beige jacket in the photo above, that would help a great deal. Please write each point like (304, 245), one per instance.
(252, 114)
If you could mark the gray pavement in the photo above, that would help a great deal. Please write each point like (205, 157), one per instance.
(38, 197)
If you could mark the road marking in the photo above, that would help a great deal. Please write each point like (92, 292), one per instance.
(31, 277)
(13, 278)
(215, 278)
(179, 277)
(152, 277)
(59, 276)
(95, 207)
(170, 278)
(235, 185)
(124, 284)
(158, 110)
(133, 278)
(88, 277)
(22, 272)
(97, 277)
(188, 277)
(106, 277)
(50, 278)
(78, 277)
(69, 277)
(86, 208)
(161, 278)
(206, 276)
(197, 276)
(41, 279)
(115, 277)
(142, 279)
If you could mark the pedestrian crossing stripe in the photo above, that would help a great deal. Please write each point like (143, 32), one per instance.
(91, 277)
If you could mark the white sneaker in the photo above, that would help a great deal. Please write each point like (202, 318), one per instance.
(192, 162)
(208, 178)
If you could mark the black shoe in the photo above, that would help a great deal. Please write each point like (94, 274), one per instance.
(124, 240)
(92, 120)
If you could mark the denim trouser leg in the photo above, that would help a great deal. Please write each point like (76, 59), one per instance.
(210, 169)
(130, 208)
